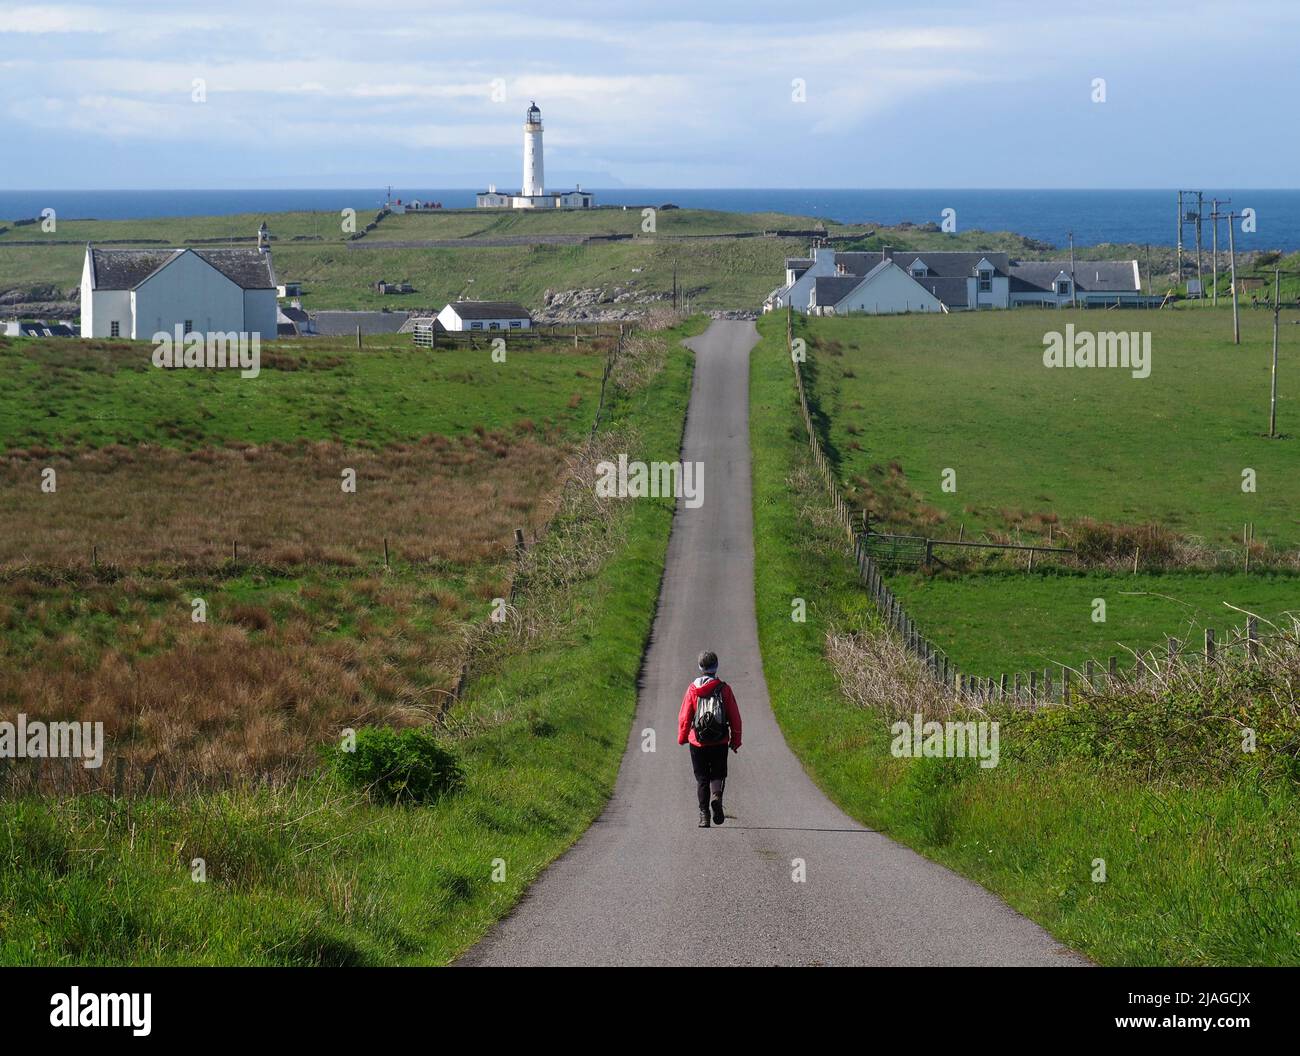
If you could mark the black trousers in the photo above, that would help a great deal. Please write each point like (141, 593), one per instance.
(709, 764)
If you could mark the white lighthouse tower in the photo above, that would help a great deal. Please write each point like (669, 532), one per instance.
(533, 182)
(533, 194)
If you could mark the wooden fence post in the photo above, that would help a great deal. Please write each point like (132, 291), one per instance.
(1252, 638)
(1112, 668)
(1090, 673)
(1209, 645)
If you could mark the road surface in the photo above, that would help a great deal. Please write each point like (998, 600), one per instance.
(644, 885)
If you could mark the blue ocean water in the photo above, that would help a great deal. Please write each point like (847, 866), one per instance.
(1143, 216)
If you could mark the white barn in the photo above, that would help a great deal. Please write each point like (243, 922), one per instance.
(137, 293)
(485, 315)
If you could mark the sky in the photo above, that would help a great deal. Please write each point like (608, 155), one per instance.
(326, 93)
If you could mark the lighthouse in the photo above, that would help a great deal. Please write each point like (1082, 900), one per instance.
(533, 193)
(533, 182)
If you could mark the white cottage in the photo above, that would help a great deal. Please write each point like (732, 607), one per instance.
(136, 293)
(485, 315)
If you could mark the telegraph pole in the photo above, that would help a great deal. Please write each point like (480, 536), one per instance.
(1232, 259)
(1277, 308)
(1178, 267)
(1074, 293)
(1199, 282)
(1214, 242)
(1214, 249)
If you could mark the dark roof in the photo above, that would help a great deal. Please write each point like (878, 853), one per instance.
(335, 324)
(950, 289)
(125, 269)
(297, 315)
(951, 264)
(1096, 276)
(798, 262)
(248, 268)
(831, 289)
(943, 263)
(490, 310)
(37, 329)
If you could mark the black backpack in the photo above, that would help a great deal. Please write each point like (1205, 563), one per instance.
(710, 723)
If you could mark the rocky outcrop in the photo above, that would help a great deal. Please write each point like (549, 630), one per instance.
(598, 304)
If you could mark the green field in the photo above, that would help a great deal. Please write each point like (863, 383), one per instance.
(992, 622)
(902, 399)
(77, 393)
(970, 392)
(177, 230)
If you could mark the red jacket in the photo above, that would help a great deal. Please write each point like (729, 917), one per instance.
(703, 687)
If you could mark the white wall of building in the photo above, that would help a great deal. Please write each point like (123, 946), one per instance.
(451, 320)
(189, 288)
(533, 183)
(799, 293)
(889, 292)
(261, 313)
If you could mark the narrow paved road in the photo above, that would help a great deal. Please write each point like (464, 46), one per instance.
(645, 886)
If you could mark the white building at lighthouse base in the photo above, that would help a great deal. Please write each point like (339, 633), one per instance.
(574, 199)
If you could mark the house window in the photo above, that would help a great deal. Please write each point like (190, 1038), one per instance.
(476, 326)
(494, 326)
(189, 326)
(114, 329)
(920, 269)
(516, 324)
(986, 280)
(1063, 288)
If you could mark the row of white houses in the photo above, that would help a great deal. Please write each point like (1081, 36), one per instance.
(137, 293)
(831, 282)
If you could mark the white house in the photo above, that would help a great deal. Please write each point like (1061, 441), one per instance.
(800, 275)
(136, 293)
(831, 282)
(485, 315)
(533, 193)
(885, 290)
(1057, 283)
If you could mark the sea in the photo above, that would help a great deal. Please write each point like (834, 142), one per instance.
(1094, 217)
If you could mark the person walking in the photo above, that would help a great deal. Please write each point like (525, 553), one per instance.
(710, 723)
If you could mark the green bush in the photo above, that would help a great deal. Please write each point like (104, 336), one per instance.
(398, 766)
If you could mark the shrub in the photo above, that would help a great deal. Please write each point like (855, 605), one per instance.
(1095, 541)
(398, 766)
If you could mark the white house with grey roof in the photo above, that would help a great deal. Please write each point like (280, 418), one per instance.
(884, 290)
(137, 293)
(1055, 283)
(831, 282)
(485, 315)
